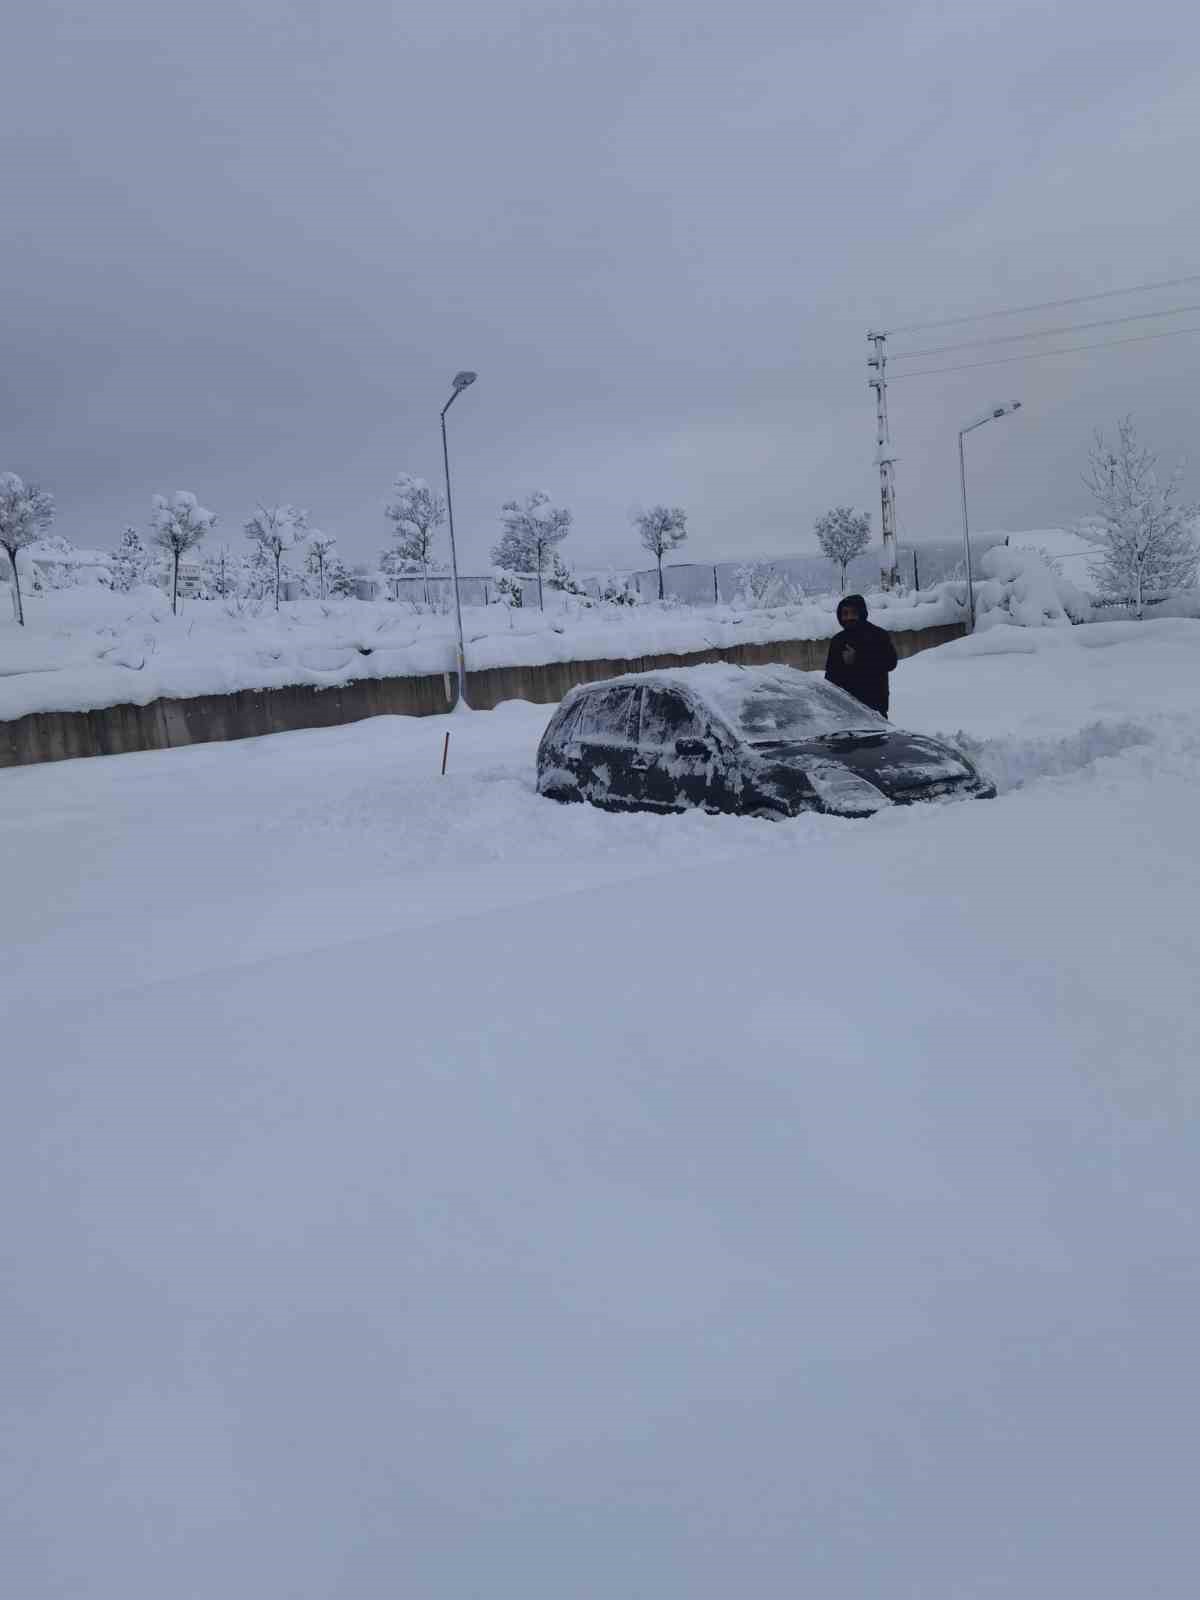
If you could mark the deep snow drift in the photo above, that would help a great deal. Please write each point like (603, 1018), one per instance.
(90, 647)
(414, 1187)
(86, 648)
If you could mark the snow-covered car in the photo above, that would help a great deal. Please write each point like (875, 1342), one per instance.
(766, 741)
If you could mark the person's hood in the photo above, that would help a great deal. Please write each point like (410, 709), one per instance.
(852, 600)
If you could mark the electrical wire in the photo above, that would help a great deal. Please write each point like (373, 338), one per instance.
(1043, 333)
(1039, 355)
(1044, 305)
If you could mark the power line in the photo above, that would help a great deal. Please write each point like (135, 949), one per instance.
(1044, 305)
(1044, 333)
(1038, 355)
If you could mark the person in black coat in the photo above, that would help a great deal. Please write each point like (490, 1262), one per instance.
(860, 656)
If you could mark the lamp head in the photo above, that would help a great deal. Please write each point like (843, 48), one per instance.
(463, 379)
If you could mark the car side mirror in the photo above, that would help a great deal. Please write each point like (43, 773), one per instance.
(691, 747)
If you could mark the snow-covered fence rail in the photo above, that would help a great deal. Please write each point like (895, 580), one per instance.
(168, 723)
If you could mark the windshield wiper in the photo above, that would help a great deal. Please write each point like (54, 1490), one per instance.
(841, 734)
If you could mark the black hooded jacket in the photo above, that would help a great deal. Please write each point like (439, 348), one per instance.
(860, 658)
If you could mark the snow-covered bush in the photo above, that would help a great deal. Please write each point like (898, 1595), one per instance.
(338, 580)
(619, 592)
(509, 592)
(55, 559)
(1020, 588)
(257, 574)
(563, 579)
(224, 573)
(394, 566)
(131, 564)
(760, 587)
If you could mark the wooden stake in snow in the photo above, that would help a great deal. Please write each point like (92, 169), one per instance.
(445, 752)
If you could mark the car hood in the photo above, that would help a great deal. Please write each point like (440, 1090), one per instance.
(897, 763)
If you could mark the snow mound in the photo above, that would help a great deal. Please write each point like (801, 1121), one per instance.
(212, 648)
(1070, 552)
(326, 658)
(1022, 589)
(1012, 762)
(1184, 604)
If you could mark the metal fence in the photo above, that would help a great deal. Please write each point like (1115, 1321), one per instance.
(693, 583)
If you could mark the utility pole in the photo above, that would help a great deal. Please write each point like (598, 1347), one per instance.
(462, 380)
(989, 416)
(885, 459)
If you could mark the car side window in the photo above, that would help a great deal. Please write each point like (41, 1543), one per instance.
(667, 717)
(609, 716)
(567, 728)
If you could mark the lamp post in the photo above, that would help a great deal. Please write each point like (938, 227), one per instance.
(988, 416)
(462, 380)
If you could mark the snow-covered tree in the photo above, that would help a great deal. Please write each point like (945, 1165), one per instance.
(417, 512)
(1146, 535)
(619, 592)
(394, 567)
(26, 512)
(223, 573)
(661, 529)
(510, 593)
(57, 562)
(338, 579)
(316, 562)
(130, 561)
(563, 579)
(842, 535)
(276, 529)
(177, 525)
(256, 574)
(531, 533)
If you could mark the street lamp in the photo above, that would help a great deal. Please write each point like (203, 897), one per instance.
(988, 416)
(462, 380)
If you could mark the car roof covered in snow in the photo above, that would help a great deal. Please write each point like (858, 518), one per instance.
(743, 696)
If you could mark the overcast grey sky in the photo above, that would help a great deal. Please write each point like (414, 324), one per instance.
(249, 243)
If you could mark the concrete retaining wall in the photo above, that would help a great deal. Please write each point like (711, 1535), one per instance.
(165, 724)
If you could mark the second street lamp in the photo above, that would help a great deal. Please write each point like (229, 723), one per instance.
(988, 416)
(462, 380)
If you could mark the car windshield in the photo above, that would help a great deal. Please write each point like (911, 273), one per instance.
(770, 710)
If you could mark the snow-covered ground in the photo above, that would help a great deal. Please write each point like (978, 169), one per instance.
(416, 1188)
(86, 648)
